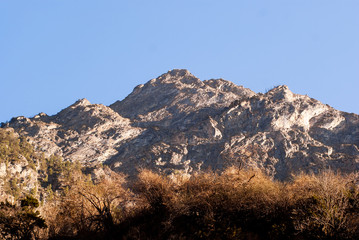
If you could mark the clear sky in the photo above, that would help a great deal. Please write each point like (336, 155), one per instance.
(53, 52)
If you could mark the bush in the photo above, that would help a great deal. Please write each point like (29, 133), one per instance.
(326, 205)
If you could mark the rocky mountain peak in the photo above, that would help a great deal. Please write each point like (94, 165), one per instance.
(178, 73)
(178, 123)
(81, 102)
(280, 92)
(176, 94)
(178, 77)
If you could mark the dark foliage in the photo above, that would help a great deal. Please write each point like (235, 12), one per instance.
(21, 222)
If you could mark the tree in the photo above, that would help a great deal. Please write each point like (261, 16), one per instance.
(21, 222)
(88, 208)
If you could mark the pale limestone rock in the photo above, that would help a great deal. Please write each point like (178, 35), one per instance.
(177, 123)
(2, 169)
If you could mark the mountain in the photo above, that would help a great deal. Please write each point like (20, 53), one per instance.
(177, 123)
(17, 165)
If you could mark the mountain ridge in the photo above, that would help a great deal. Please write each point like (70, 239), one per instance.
(177, 123)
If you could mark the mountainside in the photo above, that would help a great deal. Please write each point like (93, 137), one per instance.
(17, 166)
(177, 123)
(24, 171)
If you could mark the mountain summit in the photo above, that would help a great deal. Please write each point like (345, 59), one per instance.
(177, 123)
(176, 94)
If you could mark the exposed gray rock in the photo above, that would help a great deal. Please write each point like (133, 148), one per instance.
(89, 133)
(177, 123)
(178, 99)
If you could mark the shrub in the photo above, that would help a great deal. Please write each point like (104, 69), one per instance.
(326, 205)
(86, 209)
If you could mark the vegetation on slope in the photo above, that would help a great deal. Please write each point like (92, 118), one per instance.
(23, 171)
(237, 204)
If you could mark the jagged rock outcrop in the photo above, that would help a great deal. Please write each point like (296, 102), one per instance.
(178, 99)
(89, 133)
(177, 123)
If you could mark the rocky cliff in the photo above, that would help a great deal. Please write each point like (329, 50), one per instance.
(177, 123)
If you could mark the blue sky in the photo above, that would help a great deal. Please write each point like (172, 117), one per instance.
(55, 52)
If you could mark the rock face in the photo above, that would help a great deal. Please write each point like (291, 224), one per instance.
(89, 133)
(178, 99)
(177, 123)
